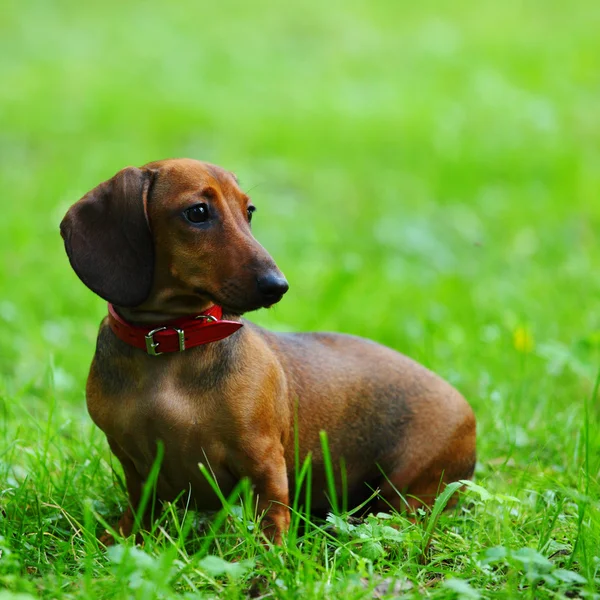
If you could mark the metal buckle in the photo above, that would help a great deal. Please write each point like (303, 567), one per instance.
(208, 318)
(151, 345)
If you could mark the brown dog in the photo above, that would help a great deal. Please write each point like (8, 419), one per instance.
(173, 239)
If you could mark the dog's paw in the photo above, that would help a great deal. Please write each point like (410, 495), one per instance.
(107, 539)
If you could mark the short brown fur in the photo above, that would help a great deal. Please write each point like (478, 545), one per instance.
(231, 404)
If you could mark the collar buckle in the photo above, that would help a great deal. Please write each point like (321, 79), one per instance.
(209, 318)
(152, 345)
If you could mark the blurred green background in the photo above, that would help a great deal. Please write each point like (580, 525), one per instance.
(426, 175)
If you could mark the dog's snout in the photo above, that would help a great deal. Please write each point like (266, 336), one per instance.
(272, 286)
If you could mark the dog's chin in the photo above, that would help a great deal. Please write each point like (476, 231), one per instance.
(238, 309)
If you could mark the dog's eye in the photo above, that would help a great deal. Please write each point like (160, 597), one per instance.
(197, 213)
(250, 211)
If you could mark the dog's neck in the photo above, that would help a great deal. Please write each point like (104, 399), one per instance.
(149, 318)
(165, 303)
(159, 311)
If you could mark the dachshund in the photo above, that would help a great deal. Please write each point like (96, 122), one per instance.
(169, 246)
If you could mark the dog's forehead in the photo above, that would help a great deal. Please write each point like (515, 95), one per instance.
(183, 174)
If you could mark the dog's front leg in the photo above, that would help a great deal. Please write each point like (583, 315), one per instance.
(267, 471)
(134, 485)
(273, 499)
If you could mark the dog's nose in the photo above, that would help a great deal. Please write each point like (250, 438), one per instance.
(272, 286)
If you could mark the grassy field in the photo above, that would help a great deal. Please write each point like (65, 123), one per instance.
(427, 175)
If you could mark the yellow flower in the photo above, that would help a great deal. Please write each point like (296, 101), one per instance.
(523, 339)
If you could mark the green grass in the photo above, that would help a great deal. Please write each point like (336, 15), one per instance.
(427, 175)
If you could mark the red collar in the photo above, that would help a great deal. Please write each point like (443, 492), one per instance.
(174, 336)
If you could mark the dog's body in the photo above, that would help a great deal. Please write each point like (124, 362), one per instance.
(236, 404)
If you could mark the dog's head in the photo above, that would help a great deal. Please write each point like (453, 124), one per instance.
(172, 236)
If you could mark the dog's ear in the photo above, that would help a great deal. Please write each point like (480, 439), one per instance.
(108, 240)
